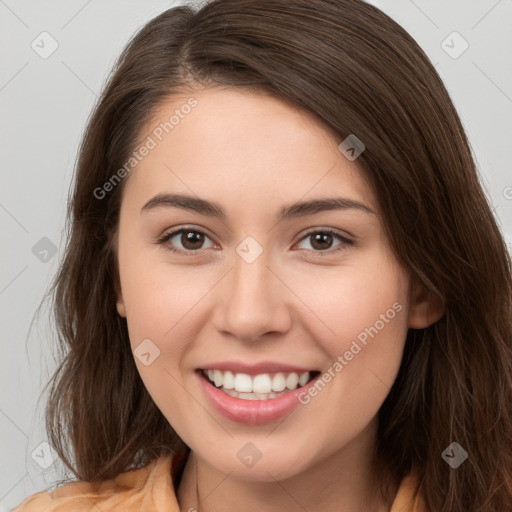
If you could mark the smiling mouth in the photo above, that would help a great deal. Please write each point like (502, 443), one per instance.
(264, 386)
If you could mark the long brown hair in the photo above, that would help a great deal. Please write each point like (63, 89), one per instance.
(360, 73)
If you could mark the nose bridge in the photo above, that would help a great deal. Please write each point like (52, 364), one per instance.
(251, 280)
(251, 302)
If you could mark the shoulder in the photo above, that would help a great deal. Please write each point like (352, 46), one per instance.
(145, 489)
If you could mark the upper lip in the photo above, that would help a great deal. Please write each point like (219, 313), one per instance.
(255, 369)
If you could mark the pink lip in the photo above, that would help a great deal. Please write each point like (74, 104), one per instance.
(252, 412)
(254, 369)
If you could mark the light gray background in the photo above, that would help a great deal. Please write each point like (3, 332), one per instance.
(45, 104)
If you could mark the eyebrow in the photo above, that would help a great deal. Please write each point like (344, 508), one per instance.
(212, 209)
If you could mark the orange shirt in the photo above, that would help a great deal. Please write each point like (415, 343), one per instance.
(151, 489)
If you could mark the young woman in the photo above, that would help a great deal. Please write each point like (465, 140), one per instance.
(284, 288)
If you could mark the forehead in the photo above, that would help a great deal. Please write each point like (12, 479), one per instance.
(228, 142)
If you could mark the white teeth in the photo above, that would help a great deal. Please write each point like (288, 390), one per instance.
(218, 378)
(229, 381)
(231, 392)
(292, 380)
(258, 387)
(303, 379)
(262, 384)
(252, 396)
(243, 383)
(278, 382)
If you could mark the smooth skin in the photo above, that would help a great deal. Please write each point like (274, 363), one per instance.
(301, 302)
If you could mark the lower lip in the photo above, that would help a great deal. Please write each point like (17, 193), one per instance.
(252, 412)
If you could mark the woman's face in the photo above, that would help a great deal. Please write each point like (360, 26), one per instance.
(258, 287)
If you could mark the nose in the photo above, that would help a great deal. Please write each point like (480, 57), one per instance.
(252, 301)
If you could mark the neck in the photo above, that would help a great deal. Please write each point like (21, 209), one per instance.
(342, 481)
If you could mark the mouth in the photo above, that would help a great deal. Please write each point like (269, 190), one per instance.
(264, 386)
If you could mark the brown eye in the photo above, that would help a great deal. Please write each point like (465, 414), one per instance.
(185, 241)
(321, 241)
(192, 240)
(324, 240)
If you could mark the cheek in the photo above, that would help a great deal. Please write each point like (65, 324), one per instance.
(162, 316)
(359, 319)
(355, 303)
(160, 298)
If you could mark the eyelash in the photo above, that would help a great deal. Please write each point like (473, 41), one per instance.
(166, 237)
